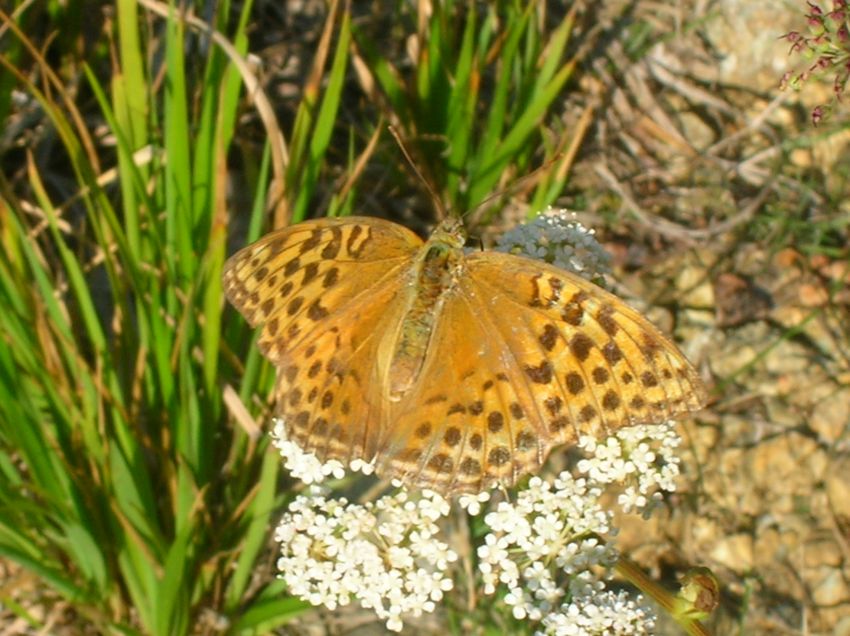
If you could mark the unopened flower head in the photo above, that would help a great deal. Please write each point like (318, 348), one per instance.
(556, 237)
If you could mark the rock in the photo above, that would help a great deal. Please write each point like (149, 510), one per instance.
(735, 552)
(838, 488)
(830, 587)
(830, 418)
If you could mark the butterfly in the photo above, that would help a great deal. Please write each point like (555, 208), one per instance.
(450, 370)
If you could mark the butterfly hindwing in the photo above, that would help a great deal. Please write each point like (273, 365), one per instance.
(329, 390)
(466, 424)
(611, 365)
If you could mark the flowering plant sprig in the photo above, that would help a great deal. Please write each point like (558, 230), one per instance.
(545, 550)
(826, 48)
(548, 548)
(640, 458)
(544, 553)
(384, 554)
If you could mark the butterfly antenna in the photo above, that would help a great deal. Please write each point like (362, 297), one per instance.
(534, 175)
(438, 203)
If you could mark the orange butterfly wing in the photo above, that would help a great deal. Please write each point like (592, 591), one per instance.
(526, 356)
(325, 292)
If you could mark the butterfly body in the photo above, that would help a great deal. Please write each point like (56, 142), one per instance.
(449, 370)
(435, 275)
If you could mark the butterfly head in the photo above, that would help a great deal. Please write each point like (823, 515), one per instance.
(449, 233)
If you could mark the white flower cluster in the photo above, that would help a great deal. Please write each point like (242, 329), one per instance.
(642, 458)
(544, 547)
(556, 237)
(386, 555)
(603, 614)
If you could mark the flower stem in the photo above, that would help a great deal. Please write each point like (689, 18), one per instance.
(630, 571)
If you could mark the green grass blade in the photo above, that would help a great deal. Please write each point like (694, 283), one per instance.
(321, 135)
(259, 519)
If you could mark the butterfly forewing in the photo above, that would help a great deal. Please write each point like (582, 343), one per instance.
(291, 280)
(320, 292)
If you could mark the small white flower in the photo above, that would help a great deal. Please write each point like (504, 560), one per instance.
(472, 503)
(360, 466)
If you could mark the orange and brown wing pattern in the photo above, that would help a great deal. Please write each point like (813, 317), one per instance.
(541, 356)
(466, 425)
(610, 365)
(330, 389)
(519, 356)
(290, 281)
(324, 293)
